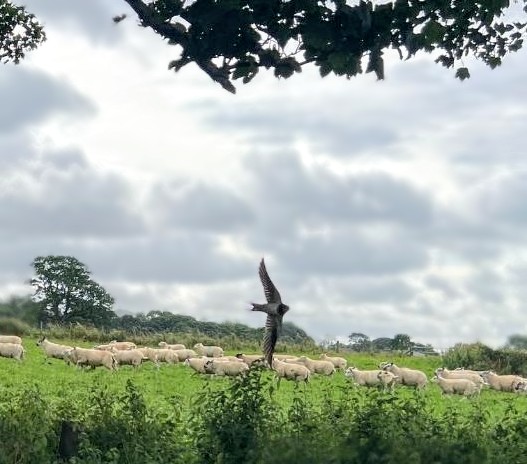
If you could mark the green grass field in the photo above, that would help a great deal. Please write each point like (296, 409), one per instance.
(170, 414)
(58, 381)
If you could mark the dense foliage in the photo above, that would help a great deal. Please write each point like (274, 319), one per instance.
(479, 356)
(247, 420)
(66, 292)
(20, 32)
(233, 39)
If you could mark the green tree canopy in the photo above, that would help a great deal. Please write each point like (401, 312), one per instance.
(233, 39)
(402, 342)
(517, 342)
(19, 32)
(359, 341)
(67, 293)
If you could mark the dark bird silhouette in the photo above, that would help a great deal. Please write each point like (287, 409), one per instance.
(118, 19)
(275, 310)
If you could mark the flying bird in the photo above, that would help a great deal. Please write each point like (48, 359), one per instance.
(275, 310)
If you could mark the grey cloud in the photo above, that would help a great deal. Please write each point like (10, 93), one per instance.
(283, 182)
(177, 258)
(93, 17)
(32, 96)
(330, 127)
(62, 196)
(198, 206)
(443, 285)
(347, 252)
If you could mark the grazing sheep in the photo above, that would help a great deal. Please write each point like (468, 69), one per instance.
(282, 357)
(10, 339)
(185, 354)
(54, 350)
(288, 371)
(369, 378)
(229, 368)
(166, 346)
(317, 367)
(387, 379)
(12, 350)
(103, 347)
(167, 356)
(456, 386)
(229, 358)
(197, 364)
(338, 362)
(210, 351)
(92, 358)
(406, 376)
(149, 354)
(129, 357)
(123, 345)
(506, 383)
(251, 359)
(461, 374)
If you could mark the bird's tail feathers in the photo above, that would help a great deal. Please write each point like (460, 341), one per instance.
(258, 307)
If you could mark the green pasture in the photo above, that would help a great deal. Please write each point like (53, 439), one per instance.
(170, 384)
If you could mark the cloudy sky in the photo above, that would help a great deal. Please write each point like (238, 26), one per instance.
(380, 207)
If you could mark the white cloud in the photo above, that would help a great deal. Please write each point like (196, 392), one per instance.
(380, 207)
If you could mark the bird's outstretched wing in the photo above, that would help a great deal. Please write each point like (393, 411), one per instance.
(272, 325)
(271, 293)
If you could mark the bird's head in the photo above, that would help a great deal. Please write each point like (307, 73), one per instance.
(284, 308)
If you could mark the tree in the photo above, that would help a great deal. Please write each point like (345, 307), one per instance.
(382, 344)
(359, 342)
(19, 32)
(66, 292)
(20, 307)
(233, 39)
(517, 342)
(402, 342)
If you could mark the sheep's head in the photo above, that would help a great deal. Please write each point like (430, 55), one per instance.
(40, 340)
(385, 366)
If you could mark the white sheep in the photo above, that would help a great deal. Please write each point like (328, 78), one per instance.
(149, 354)
(197, 364)
(316, 366)
(251, 359)
(12, 350)
(129, 357)
(456, 386)
(229, 368)
(368, 378)
(123, 345)
(10, 339)
(283, 357)
(289, 371)
(338, 362)
(461, 374)
(185, 354)
(229, 358)
(92, 358)
(167, 356)
(103, 347)
(506, 383)
(54, 350)
(211, 351)
(166, 346)
(387, 379)
(406, 376)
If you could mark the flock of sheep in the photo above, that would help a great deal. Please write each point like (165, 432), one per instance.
(459, 381)
(211, 360)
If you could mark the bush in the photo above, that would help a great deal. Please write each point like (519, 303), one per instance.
(13, 326)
